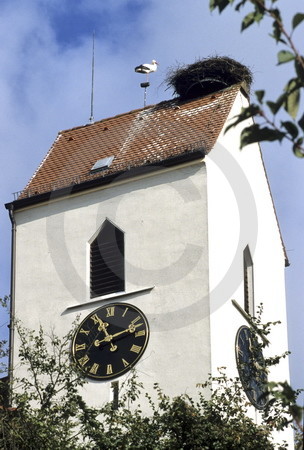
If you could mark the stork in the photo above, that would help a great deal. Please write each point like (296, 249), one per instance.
(147, 68)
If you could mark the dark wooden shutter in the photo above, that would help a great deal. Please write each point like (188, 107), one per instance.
(246, 290)
(248, 282)
(107, 261)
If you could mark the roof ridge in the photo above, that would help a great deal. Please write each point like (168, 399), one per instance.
(162, 103)
(116, 116)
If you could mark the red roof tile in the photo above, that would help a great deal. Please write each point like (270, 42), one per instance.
(136, 138)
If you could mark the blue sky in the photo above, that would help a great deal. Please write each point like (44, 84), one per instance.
(45, 82)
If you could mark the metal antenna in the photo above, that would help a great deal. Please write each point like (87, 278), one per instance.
(92, 87)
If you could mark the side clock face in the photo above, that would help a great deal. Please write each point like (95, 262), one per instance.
(251, 368)
(110, 341)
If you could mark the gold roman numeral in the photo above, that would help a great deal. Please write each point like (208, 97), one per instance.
(135, 348)
(110, 311)
(95, 318)
(239, 351)
(94, 368)
(80, 347)
(135, 320)
(86, 332)
(82, 361)
(125, 311)
(125, 363)
(140, 333)
(109, 369)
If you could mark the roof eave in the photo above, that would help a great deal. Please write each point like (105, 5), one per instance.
(107, 179)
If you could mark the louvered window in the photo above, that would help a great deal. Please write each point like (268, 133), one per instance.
(107, 261)
(248, 282)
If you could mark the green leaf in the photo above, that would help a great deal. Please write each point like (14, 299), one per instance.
(297, 19)
(255, 133)
(220, 4)
(246, 113)
(278, 39)
(275, 106)
(299, 67)
(276, 32)
(240, 4)
(297, 151)
(260, 95)
(301, 122)
(285, 56)
(297, 148)
(212, 5)
(291, 128)
(277, 14)
(254, 16)
(247, 21)
(258, 17)
(292, 98)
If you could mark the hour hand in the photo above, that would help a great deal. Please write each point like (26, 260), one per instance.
(108, 338)
(102, 325)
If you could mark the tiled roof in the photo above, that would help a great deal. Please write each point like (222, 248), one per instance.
(136, 138)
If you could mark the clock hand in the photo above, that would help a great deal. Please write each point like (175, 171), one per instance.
(131, 328)
(102, 327)
(109, 337)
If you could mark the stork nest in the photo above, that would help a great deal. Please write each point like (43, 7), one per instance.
(206, 76)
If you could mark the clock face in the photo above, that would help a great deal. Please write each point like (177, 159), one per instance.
(110, 341)
(251, 367)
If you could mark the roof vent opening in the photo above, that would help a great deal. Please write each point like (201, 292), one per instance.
(206, 76)
(102, 164)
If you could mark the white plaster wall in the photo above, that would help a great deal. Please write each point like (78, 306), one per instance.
(168, 230)
(240, 213)
(165, 224)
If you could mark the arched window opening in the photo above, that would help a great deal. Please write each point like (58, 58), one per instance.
(248, 282)
(107, 261)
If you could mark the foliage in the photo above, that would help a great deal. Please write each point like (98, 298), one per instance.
(3, 354)
(50, 413)
(272, 124)
(47, 410)
(281, 409)
(218, 422)
(3, 358)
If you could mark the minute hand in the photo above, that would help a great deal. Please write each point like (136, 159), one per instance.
(131, 328)
(109, 337)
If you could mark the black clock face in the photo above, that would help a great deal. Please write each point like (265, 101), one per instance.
(110, 341)
(251, 367)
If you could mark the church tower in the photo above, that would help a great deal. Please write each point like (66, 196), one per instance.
(161, 235)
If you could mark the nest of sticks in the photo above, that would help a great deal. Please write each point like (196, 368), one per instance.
(206, 76)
